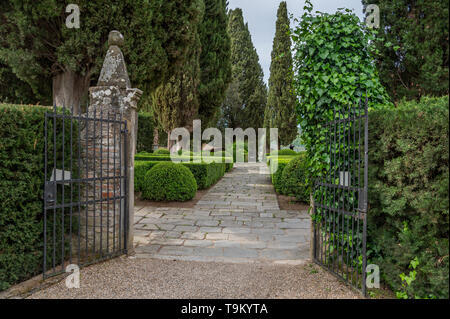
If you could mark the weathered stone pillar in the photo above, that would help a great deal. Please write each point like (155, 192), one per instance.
(112, 100)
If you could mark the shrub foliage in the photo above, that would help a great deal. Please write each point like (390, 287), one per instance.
(162, 151)
(293, 179)
(205, 174)
(168, 181)
(408, 195)
(333, 68)
(21, 189)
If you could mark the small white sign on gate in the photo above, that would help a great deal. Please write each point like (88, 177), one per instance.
(344, 178)
(57, 176)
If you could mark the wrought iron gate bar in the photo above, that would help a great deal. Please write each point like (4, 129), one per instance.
(345, 120)
(84, 205)
(352, 214)
(340, 197)
(89, 179)
(96, 201)
(337, 186)
(80, 117)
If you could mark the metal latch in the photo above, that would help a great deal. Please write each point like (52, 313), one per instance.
(50, 193)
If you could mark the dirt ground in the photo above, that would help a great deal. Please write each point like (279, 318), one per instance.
(127, 277)
(290, 203)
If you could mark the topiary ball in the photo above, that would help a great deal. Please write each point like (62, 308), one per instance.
(293, 179)
(167, 181)
(162, 151)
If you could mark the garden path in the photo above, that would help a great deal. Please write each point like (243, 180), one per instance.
(193, 253)
(238, 220)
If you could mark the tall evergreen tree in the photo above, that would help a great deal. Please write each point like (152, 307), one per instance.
(175, 101)
(248, 74)
(38, 47)
(215, 63)
(231, 107)
(413, 47)
(280, 109)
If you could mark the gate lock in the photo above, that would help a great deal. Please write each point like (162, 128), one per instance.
(50, 193)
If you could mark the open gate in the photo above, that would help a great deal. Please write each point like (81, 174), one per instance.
(340, 198)
(85, 193)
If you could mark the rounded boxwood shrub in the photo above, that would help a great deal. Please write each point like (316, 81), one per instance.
(167, 181)
(294, 179)
(162, 151)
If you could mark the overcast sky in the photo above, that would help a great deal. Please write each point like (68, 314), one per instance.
(261, 16)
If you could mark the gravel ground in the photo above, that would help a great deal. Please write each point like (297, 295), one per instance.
(126, 277)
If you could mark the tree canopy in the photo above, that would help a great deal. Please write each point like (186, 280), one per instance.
(215, 63)
(176, 101)
(413, 47)
(39, 49)
(247, 75)
(280, 109)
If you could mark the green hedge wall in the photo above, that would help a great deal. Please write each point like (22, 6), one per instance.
(167, 158)
(293, 179)
(276, 175)
(21, 189)
(162, 151)
(206, 174)
(286, 151)
(146, 125)
(409, 195)
(290, 177)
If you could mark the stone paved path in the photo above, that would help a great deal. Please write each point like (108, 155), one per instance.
(237, 220)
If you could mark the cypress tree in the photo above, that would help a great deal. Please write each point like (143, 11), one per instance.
(231, 107)
(413, 47)
(280, 109)
(38, 47)
(214, 60)
(175, 101)
(248, 74)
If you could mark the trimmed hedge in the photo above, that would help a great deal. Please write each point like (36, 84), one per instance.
(21, 189)
(205, 174)
(293, 179)
(168, 181)
(162, 151)
(284, 152)
(409, 195)
(166, 158)
(289, 178)
(276, 175)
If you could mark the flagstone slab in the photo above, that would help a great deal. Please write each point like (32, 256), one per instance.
(238, 220)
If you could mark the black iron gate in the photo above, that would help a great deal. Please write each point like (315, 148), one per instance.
(85, 197)
(340, 198)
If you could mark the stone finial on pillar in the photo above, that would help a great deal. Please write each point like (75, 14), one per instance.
(114, 71)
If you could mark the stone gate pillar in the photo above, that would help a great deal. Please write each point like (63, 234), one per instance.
(113, 99)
